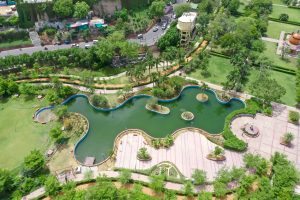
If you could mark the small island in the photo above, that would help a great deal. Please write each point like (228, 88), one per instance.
(153, 106)
(202, 97)
(187, 116)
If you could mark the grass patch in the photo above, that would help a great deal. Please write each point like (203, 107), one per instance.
(105, 71)
(19, 134)
(219, 68)
(270, 53)
(294, 14)
(15, 43)
(275, 28)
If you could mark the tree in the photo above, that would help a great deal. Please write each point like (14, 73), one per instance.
(104, 51)
(207, 6)
(8, 87)
(199, 176)
(61, 111)
(157, 183)
(125, 176)
(33, 163)
(233, 6)
(267, 89)
(27, 89)
(181, 8)
(188, 188)
(259, 8)
(170, 38)
(81, 9)
(52, 186)
(6, 182)
(284, 17)
(63, 8)
(157, 8)
(56, 134)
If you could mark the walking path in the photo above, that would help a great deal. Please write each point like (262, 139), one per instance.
(270, 39)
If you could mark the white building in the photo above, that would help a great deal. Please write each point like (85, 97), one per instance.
(186, 24)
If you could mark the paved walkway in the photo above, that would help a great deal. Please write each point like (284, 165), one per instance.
(270, 39)
(187, 154)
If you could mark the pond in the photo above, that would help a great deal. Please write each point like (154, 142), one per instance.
(106, 125)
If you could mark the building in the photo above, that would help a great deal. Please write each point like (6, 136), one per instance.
(293, 43)
(186, 25)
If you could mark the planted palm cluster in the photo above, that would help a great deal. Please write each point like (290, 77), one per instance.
(163, 142)
(143, 154)
(287, 139)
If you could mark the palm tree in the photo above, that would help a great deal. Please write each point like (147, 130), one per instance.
(288, 137)
(154, 77)
(157, 61)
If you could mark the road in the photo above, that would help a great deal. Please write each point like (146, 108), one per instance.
(149, 39)
(31, 50)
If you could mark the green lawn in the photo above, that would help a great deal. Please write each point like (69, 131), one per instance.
(270, 53)
(19, 134)
(275, 28)
(15, 43)
(294, 14)
(219, 68)
(277, 2)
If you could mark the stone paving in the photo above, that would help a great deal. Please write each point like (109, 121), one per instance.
(188, 153)
(271, 130)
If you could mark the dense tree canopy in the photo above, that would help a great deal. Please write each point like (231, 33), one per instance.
(81, 10)
(157, 8)
(63, 8)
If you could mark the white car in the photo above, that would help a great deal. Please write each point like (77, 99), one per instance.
(87, 46)
(95, 41)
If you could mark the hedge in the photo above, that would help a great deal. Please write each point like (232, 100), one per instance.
(285, 22)
(273, 67)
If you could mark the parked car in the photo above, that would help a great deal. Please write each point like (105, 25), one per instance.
(164, 26)
(87, 46)
(140, 36)
(66, 41)
(95, 41)
(155, 29)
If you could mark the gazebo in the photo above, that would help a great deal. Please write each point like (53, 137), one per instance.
(293, 42)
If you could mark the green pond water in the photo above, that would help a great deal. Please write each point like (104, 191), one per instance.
(105, 126)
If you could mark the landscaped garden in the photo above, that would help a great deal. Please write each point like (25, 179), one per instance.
(237, 61)
(294, 14)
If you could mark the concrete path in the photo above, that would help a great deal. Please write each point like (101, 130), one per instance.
(35, 38)
(270, 39)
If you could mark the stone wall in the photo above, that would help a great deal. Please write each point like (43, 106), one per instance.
(107, 7)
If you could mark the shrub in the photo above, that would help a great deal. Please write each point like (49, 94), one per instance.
(99, 101)
(188, 188)
(294, 117)
(125, 176)
(284, 17)
(157, 183)
(199, 176)
(143, 154)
